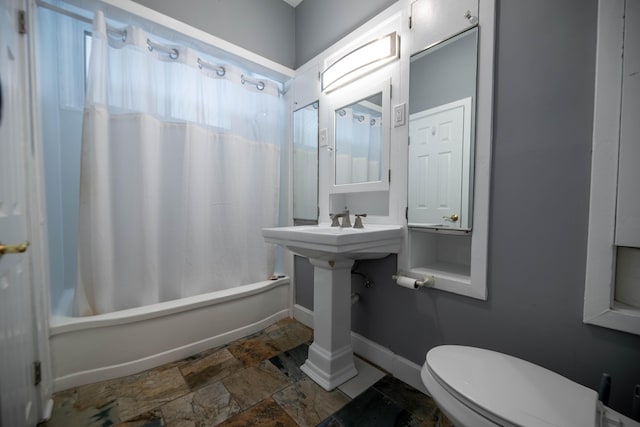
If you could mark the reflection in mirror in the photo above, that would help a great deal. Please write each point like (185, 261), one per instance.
(358, 143)
(442, 103)
(305, 163)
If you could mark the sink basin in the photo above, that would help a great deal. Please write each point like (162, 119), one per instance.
(330, 243)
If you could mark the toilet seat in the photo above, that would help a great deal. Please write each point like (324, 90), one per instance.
(505, 390)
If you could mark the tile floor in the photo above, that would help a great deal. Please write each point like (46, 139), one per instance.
(255, 381)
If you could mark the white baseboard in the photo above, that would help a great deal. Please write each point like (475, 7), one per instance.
(303, 315)
(401, 368)
(47, 410)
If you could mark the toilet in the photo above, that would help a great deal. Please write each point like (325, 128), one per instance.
(475, 387)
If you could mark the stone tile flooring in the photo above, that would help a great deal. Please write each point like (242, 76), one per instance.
(255, 381)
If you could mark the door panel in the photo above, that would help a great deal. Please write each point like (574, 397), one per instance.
(435, 164)
(18, 403)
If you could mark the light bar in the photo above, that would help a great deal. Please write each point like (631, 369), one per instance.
(361, 61)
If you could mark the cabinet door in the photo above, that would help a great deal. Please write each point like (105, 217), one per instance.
(628, 209)
(433, 21)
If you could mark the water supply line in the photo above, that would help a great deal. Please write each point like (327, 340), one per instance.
(367, 282)
(355, 298)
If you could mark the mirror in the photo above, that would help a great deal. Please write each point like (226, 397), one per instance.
(361, 135)
(305, 164)
(442, 105)
(359, 141)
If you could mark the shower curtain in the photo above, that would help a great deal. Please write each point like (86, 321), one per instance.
(359, 137)
(180, 171)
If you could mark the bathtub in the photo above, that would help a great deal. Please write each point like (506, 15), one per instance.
(96, 348)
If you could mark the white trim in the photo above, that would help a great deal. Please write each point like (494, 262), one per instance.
(48, 410)
(401, 368)
(37, 229)
(601, 252)
(409, 372)
(303, 315)
(396, 365)
(483, 147)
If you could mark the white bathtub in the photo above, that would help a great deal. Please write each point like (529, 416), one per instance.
(96, 348)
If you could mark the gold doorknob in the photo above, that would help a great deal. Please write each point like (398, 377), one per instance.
(452, 218)
(14, 249)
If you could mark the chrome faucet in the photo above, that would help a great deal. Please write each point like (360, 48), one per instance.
(346, 220)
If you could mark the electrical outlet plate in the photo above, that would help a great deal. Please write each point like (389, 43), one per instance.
(399, 116)
(323, 139)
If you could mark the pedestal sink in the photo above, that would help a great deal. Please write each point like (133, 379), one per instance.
(332, 251)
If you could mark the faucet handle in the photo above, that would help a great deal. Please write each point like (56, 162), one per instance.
(334, 220)
(358, 223)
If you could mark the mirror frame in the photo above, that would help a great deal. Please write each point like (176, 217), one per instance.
(351, 94)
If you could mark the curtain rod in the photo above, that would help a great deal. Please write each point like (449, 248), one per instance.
(77, 16)
(173, 53)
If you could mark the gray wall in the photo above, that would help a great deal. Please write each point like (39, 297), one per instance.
(543, 115)
(265, 27)
(272, 28)
(444, 75)
(321, 23)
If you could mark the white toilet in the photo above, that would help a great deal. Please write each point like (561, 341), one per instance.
(476, 387)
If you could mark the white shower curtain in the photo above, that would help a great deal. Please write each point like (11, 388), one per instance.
(358, 150)
(180, 171)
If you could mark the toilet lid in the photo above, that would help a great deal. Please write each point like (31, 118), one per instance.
(505, 388)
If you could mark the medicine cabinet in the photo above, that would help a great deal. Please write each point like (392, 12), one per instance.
(612, 291)
(359, 128)
(449, 153)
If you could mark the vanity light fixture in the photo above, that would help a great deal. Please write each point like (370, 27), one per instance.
(361, 61)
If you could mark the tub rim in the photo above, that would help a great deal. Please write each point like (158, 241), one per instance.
(62, 324)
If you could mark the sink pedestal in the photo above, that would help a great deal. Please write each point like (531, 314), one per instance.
(330, 360)
(332, 251)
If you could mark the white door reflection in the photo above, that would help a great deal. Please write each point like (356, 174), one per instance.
(439, 138)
